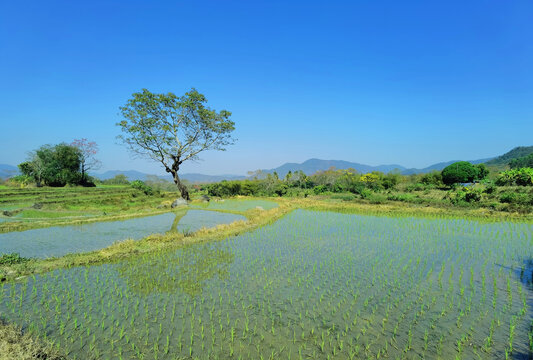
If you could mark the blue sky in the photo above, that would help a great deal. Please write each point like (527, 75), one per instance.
(375, 82)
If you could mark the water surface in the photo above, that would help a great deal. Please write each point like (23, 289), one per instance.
(62, 240)
(313, 285)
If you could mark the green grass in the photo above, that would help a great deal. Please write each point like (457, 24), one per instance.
(59, 206)
(238, 204)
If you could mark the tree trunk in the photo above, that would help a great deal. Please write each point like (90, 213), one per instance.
(174, 171)
(183, 189)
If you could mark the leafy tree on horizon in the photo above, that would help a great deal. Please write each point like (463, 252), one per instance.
(172, 129)
(463, 172)
(56, 165)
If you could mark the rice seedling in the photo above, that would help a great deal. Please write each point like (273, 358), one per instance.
(311, 285)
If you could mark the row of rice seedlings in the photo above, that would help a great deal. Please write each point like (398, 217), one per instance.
(313, 285)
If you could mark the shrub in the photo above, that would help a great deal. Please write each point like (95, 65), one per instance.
(464, 195)
(415, 187)
(433, 178)
(139, 185)
(516, 198)
(11, 259)
(319, 189)
(520, 177)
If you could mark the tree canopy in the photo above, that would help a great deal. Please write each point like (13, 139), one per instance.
(56, 165)
(463, 172)
(172, 129)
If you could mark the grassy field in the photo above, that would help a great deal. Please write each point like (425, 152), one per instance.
(336, 279)
(22, 209)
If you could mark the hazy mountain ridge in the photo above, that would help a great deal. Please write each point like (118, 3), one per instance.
(313, 165)
(7, 171)
(309, 167)
(192, 177)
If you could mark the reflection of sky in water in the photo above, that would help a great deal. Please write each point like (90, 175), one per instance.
(62, 240)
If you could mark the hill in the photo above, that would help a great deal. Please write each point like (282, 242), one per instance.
(7, 171)
(517, 152)
(194, 178)
(439, 166)
(313, 165)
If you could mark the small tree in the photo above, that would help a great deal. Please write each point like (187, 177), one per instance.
(462, 172)
(88, 150)
(172, 129)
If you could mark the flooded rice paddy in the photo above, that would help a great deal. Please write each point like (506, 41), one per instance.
(313, 285)
(62, 240)
(238, 205)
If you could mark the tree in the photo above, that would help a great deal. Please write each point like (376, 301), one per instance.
(172, 129)
(462, 172)
(88, 150)
(53, 165)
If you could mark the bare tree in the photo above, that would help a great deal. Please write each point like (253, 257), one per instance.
(88, 150)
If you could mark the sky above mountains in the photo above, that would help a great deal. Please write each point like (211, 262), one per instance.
(412, 83)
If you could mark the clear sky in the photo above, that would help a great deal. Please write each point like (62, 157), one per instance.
(376, 82)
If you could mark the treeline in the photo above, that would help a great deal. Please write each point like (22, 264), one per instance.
(459, 184)
(298, 183)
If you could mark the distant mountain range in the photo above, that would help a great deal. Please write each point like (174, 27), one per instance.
(308, 167)
(7, 171)
(193, 177)
(313, 165)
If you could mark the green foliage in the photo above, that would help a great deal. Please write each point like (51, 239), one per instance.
(57, 165)
(432, 178)
(526, 161)
(516, 153)
(464, 195)
(173, 129)
(119, 179)
(319, 189)
(139, 185)
(516, 198)
(520, 177)
(463, 172)
(12, 259)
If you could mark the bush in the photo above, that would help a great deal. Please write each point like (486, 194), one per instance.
(320, 189)
(12, 259)
(415, 187)
(433, 178)
(520, 177)
(464, 195)
(139, 185)
(516, 198)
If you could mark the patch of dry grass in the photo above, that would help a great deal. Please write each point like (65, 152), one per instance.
(16, 345)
